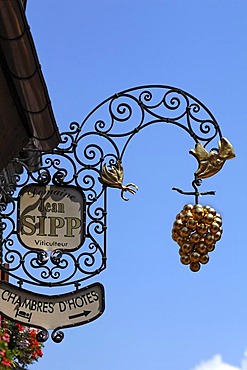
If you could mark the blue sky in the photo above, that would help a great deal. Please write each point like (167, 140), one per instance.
(158, 315)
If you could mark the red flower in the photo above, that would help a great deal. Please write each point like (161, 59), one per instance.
(20, 327)
(6, 362)
(37, 353)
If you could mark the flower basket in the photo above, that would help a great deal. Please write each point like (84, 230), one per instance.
(18, 346)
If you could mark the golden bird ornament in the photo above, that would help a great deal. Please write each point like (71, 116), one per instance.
(113, 177)
(211, 162)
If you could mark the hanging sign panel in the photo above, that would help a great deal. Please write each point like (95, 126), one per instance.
(52, 312)
(51, 217)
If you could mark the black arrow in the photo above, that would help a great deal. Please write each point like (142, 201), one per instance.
(84, 313)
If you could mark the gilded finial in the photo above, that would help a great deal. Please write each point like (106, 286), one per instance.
(113, 177)
(211, 162)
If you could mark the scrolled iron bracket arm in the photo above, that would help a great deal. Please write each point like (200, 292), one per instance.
(170, 106)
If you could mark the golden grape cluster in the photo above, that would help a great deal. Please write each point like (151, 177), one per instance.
(196, 230)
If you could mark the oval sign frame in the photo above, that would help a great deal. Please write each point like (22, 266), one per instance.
(51, 217)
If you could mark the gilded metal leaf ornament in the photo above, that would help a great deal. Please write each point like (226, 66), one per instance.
(113, 177)
(211, 162)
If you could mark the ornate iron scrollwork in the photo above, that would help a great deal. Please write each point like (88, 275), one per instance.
(90, 157)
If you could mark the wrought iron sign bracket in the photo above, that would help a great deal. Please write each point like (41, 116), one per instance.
(54, 219)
